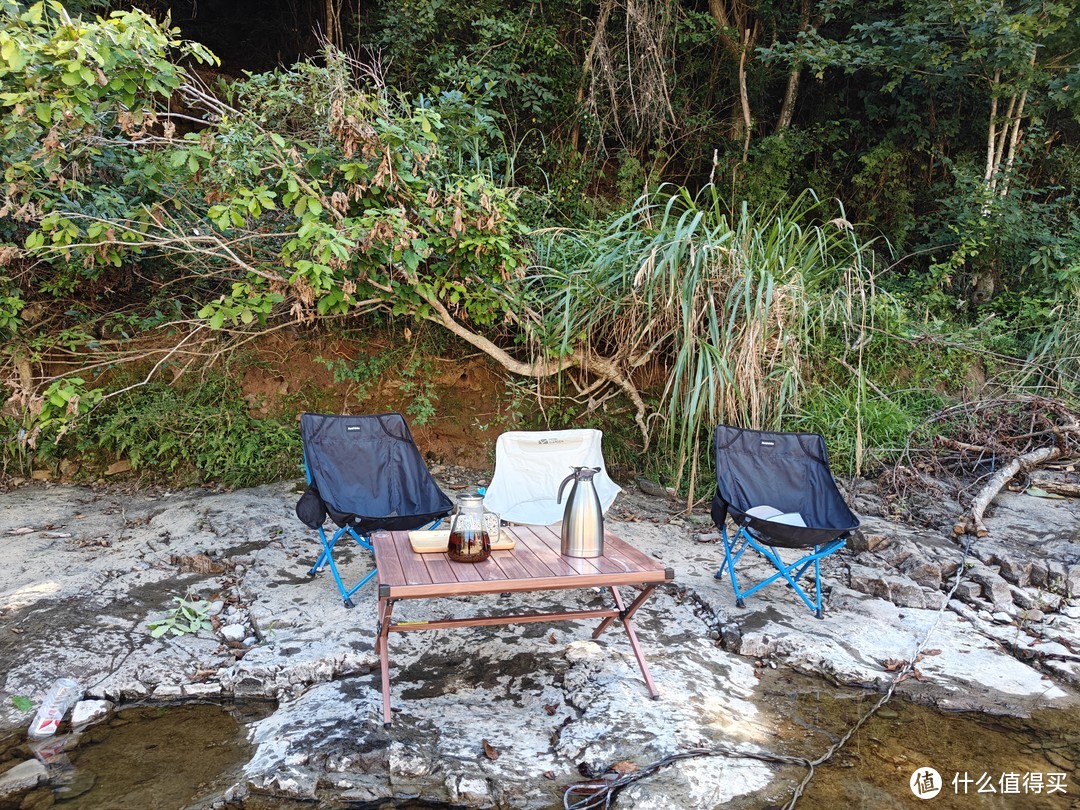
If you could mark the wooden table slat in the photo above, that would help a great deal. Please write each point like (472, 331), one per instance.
(533, 537)
(440, 569)
(386, 558)
(509, 565)
(412, 564)
(534, 563)
(618, 548)
(551, 537)
(528, 560)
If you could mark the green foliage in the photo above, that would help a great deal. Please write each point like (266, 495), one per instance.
(60, 408)
(323, 193)
(188, 617)
(200, 426)
(67, 88)
(508, 59)
(411, 363)
(21, 703)
(372, 216)
(11, 304)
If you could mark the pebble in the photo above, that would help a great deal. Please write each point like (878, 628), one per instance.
(234, 632)
(22, 777)
(90, 711)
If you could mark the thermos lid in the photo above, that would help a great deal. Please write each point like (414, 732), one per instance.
(470, 499)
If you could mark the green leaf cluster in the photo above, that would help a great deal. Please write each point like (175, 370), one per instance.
(187, 618)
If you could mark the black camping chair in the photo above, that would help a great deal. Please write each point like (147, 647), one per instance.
(367, 475)
(778, 490)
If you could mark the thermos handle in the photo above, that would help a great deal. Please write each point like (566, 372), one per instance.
(571, 477)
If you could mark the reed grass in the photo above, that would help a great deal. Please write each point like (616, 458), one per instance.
(731, 306)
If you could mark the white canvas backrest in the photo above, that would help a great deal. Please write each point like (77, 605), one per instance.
(530, 465)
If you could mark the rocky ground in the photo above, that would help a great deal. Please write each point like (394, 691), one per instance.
(508, 716)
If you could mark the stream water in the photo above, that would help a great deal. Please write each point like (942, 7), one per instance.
(981, 761)
(187, 755)
(165, 756)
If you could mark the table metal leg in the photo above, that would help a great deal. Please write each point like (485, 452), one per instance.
(625, 614)
(386, 607)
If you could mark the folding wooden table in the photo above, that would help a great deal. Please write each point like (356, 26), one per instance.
(534, 564)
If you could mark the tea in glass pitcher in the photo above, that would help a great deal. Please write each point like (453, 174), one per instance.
(469, 537)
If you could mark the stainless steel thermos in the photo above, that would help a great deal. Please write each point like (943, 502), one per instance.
(583, 518)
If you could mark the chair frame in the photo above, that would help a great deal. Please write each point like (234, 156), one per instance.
(738, 544)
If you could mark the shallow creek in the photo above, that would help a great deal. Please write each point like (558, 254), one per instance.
(1026, 762)
(164, 756)
(187, 755)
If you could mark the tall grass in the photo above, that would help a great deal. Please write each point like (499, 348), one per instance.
(722, 309)
(1054, 361)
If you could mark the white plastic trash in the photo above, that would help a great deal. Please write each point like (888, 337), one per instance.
(64, 694)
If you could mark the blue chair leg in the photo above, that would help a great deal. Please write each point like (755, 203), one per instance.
(791, 574)
(327, 558)
(733, 550)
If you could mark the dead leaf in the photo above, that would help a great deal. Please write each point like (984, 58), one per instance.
(490, 751)
(1037, 492)
(931, 652)
(893, 664)
(624, 767)
(552, 639)
(22, 530)
(549, 774)
(551, 708)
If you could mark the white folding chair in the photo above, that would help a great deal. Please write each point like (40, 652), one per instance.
(530, 465)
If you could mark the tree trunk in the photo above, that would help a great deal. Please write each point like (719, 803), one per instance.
(973, 522)
(791, 91)
(744, 97)
(739, 16)
(587, 66)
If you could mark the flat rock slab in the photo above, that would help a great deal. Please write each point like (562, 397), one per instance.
(502, 716)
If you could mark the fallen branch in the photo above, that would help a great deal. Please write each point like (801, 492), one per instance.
(954, 444)
(1058, 488)
(973, 521)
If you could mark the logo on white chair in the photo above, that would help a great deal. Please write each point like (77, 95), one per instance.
(925, 783)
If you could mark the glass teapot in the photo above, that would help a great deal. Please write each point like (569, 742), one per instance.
(470, 538)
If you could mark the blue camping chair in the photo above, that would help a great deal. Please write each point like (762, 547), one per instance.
(367, 475)
(778, 491)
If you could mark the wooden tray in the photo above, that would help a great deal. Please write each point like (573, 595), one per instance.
(432, 542)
